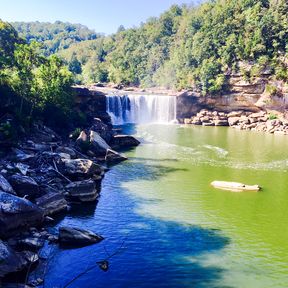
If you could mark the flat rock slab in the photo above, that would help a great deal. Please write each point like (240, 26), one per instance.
(84, 191)
(52, 203)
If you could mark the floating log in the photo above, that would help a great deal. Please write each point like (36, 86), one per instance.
(235, 186)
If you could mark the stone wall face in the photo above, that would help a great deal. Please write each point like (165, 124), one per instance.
(92, 103)
(240, 95)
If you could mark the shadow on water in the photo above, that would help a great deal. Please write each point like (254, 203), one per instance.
(157, 253)
(140, 170)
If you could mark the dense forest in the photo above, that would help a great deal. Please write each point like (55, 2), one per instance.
(31, 85)
(54, 36)
(186, 47)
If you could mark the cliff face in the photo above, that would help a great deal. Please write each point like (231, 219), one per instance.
(253, 96)
(92, 103)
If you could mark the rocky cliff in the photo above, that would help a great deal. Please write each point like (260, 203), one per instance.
(258, 94)
(92, 103)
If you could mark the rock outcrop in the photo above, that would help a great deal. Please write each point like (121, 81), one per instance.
(260, 121)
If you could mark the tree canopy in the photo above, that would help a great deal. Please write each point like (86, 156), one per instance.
(28, 79)
(186, 47)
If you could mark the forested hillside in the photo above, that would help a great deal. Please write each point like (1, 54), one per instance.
(190, 47)
(31, 85)
(54, 36)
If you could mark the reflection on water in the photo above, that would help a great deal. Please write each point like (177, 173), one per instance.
(178, 230)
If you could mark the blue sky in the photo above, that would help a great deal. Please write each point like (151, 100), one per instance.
(103, 16)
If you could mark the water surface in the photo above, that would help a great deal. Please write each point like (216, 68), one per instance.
(170, 228)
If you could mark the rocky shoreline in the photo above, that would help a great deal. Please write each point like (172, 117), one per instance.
(42, 177)
(242, 120)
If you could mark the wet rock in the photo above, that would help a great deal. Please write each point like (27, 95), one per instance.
(209, 123)
(84, 191)
(16, 214)
(24, 186)
(205, 119)
(124, 141)
(21, 156)
(52, 202)
(196, 121)
(5, 185)
(48, 219)
(113, 157)
(98, 144)
(23, 168)
(233, 121)
(82, 139)
(31, 243)
(10, 261)
(53, 239)
(221, 122)
(36, 282)
(79, 168)
(234, 114)
(187, 121)
(77, 237)
(102, 129)
(66, 150)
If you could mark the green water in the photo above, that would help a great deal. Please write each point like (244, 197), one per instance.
(185, 160)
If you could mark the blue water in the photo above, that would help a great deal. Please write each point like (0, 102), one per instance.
(149, 252)
(167, 227)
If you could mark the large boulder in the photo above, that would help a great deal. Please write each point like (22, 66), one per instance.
(220, 122)
(17, 213)
(5, 185)
(66, 150)
(77, 237)
(52, 202)
(84, 191)
(83, 168)
(233, 120)
(124, 141)
(12, 261)
(113, 157)
(98, 144)
(24, 186)
(82, 138)
(102, 129)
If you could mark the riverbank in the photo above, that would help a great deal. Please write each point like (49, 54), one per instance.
(260, 121)
(43, 176)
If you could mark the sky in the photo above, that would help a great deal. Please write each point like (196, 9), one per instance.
(101, 15)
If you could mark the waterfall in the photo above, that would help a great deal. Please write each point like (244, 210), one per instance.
(141, 108)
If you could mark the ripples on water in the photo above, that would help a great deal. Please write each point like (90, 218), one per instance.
(179, 231)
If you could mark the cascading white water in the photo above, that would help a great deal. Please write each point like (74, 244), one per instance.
(141, 108)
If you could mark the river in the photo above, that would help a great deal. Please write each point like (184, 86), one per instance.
(169, 228)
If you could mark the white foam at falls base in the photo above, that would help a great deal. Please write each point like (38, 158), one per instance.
(141, 109)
